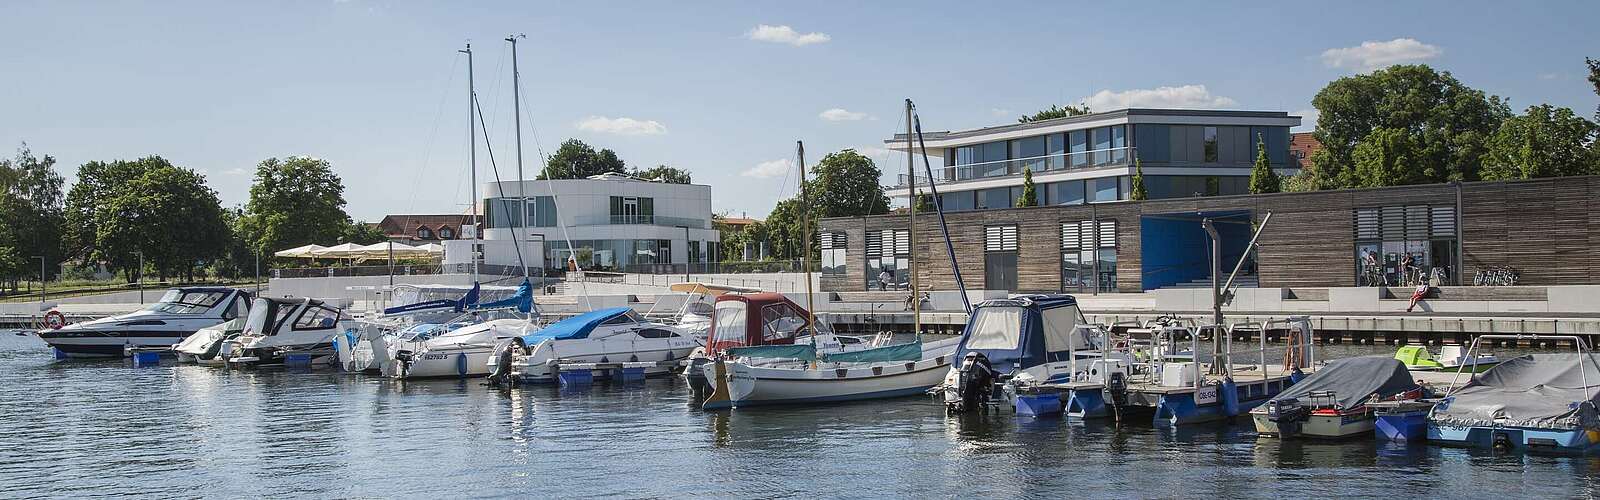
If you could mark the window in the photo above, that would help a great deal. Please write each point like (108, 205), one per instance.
(996, 328)
(995, 198)
(503, 212)
(1078, 142)
(1104, 189)
(833, 253)
(888, 259)
(1056, 147)
(1210, 141)
(1119, 142)
(729, 323)
(1089, 256)
(1065, 193)
(958, 201)
(1102, 143)
(445, 233)
(1405, 245)
(657, 333)
(1000, 257)
(316, 318)
(424, 233)
(779, 321)
(1032, 150)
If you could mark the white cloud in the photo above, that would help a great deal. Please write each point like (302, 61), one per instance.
(1186, 96)
(234, 171)
(769, 169)
(1373, 55)
(874, 152)
(842, 115)
(1549, 76)
(1000, 112)
(622, 126)
(1308, 119)
(785, 34)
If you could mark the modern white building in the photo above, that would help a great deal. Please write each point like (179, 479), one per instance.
(614, 223)
(1089, 158)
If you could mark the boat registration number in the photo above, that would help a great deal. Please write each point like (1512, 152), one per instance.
(1205, 395)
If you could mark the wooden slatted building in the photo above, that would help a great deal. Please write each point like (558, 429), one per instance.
(1547, 229)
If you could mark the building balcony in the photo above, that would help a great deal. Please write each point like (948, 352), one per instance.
(642, 220)
(1059, 162)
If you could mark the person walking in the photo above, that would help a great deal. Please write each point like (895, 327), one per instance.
(883, 280)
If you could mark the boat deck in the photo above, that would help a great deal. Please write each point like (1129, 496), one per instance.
(1242, 374)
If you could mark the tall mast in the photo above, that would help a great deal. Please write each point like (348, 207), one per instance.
(805, 240)
(911, 232)
(472, 147)
(516, 111)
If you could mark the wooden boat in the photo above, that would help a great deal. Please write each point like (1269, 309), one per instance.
(1333, 402)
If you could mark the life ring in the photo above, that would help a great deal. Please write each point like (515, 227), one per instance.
(55, 320)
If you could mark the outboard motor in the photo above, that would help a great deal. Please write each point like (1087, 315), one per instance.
(1115, 392)
(500, 370)
(1288, 413)
(975, 383)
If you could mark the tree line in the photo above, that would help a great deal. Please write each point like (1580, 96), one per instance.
(843, 184)
(122, 213)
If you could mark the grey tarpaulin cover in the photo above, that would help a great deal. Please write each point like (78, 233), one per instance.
(1353, 380)
(1534, 390)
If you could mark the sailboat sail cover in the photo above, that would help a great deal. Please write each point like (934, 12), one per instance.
(1353, 380)
(522, 300)
(1552, 391)
(899, 352)
(576, 327)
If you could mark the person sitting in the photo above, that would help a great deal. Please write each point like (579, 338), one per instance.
(1422, 291)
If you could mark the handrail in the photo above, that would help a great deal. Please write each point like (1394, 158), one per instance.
(1577, 343)
(1042, 163)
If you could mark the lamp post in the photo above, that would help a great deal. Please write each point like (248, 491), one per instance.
(139, 278)
(41, 279)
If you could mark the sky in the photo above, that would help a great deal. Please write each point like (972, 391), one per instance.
(723, 89)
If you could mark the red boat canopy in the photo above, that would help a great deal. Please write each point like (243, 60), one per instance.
(755, 319)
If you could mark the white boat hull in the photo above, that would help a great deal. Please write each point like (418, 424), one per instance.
(755, 385)
(459, 361)
(666, 353)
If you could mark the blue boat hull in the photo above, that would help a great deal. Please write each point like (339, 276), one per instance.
(1519, 438)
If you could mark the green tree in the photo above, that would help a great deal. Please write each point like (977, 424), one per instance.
(1137, 189)
(1594, 79)
(31, 213)
(1448, 122)
(664, 173)
(1263, 179)
(1546, 141)
(783, 229)
(846, 184)
(294, 201)
(168, 215)
(925, 203)
(1030, 197)
(96, 182)
(576, 160)
(362, 233)
(1055, 112)
(1388, 157)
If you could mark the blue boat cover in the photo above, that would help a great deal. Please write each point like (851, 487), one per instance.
(1019, 332)
(576, 327)
(899, 352)
(456, 305)
(802, 352)
(522, 300)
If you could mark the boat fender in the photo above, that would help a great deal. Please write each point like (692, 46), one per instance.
(1296, 376)
(1229, 394)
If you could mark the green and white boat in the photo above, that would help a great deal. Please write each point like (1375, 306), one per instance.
(1450, 358)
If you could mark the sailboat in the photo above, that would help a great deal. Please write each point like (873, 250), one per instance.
(739, 380)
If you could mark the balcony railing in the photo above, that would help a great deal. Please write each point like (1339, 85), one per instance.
(646, 220)
(1038, 164)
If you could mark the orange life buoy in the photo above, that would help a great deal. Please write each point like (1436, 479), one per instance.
(55, 320)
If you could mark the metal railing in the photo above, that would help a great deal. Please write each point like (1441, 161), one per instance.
(341, 271)
(1038, 164)
(645, 220)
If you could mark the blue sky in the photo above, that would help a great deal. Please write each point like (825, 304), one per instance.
(376, 87)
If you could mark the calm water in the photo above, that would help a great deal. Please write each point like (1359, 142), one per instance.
(105, 428)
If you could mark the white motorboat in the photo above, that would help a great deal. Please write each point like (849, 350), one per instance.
(180, 313)
(595, 341)
(205, 346)
(426, 311)
(884, 372)
(1031, 338)
(279, 328)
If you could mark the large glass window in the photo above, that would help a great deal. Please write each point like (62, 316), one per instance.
(833, 253)
(1056, 147)
(1405, 245)
(1078, 142)
(958, 201)
(994, 154)
(1032, 149)
(1119, 141)
(1102, 142)
(888, 259)
(1089, 256)
(1210, 144)
(995, 198)
(1104, 189)
(1065, 193)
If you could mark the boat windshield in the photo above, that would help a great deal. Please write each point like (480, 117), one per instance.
(187, 301)
(729, 323)
(996, 328)
(264, 311)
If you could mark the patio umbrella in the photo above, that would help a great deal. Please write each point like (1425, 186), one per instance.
(307, 251)
(340, 251)
(385, 249)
